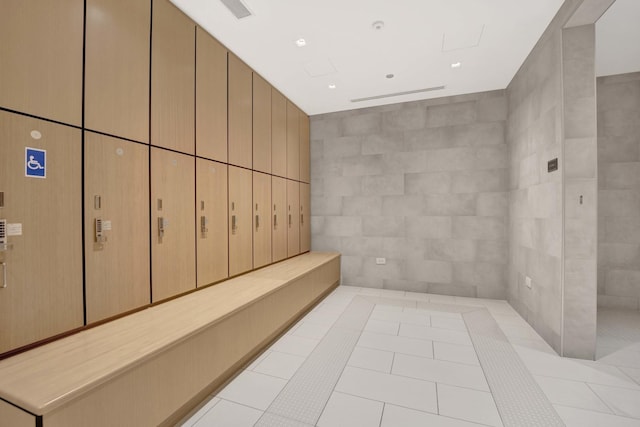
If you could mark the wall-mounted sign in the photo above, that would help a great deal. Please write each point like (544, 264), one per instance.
(35, 162)
(552, 165)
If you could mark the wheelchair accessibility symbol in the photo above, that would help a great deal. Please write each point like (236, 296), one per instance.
(35, 161)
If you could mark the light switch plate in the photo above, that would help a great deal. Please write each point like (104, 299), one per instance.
(381, 261)
(527, 282)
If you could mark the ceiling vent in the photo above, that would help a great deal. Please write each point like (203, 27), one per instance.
(238, 8)
(390, 95)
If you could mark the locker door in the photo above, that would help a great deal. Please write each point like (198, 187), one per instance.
(42, 294)
(261, 124)
(278, 134)
(41, 58)
(305, 218)
(293, 141)
(172, 78)
(240, 111)
(279, 218)
(211, 97)
(261, 219)
(173, 243)
(116, 189)
(211, 221)
(240, 221)
(293, 218)
(117, 68)
(305, 159)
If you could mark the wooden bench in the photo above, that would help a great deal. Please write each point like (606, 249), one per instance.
(152, 367)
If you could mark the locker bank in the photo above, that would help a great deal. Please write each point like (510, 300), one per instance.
(399, 218)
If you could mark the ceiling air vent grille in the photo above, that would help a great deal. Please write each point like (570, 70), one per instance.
(389, 95)
(238, 8)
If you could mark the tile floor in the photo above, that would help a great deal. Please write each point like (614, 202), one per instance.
(406, 359)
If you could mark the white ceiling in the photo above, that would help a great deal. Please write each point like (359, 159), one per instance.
(618, 39)
(418, 44)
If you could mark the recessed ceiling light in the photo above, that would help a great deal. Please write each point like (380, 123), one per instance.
(378, 25)
(389, 76)
(332, 86)
(301, 42)
(456, 65)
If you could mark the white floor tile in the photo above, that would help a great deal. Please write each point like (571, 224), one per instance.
(344, 410)
(440, 371)
(402, 316)
(312, 330)
(622, 401)
(469, 405)
(407, 392)
(628, 357)
(368, 358)
(281, 365)
(395, 416)
(253, 389)
(448, 323)
(571, 393)
(382, 327)
(416, 347)
(574, 417)
(229, 414)
(632, 373)
(447, 299)
(416, 296)
(434, 334)
(430, 310)
(295, 345)
(258, 359)
(195, 417)
(455, 353)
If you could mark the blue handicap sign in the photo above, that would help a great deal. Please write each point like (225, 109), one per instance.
(35, 162)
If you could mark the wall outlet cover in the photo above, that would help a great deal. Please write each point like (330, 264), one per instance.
(527, 281)
(381, 261)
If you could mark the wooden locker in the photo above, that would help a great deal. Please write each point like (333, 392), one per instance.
(116, 189)
(172, 78)
(293, 141)
(42, 264)
(278, 134)
(293, 218)
(41, 58)
(261, 219)
(305, 159)
(279, 218)
(117, 68)
(305, 218)
(173, 243)
(240, 221)
(211, 221)
(261, 124)
(211, 97)
(240, 113)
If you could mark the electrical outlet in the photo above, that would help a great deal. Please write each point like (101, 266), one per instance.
(527, 281)
(381, 261)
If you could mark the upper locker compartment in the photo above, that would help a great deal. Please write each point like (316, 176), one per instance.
(172, 79)
(278, 134)
(293, 141)
(41, 233)
(211, 98)
(261, 124)
(240, 113)
(116, 226)
(117, 68)
(41, 58)
(305, 154)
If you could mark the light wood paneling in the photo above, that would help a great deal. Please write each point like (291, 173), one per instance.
(278, 134)
(305, 218)
(41, 58)
(14, 417)
(211, 97)
(117, 68)
(240, 221)
(279, 218)
(211, 203)
(196, 342)
(305, 173)
(261, 124)
(43, 296)
(261, 219)
(240, 112)
(293, 141)
(172, 78)
(117, 270)
(173, 253)
(293, 218)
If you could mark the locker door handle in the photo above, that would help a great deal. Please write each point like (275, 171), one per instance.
(233, 224)
(4, 275)
(289, 220)
(301, 219)
(275, 221)
(161, 226)
(257, 221)
(203, 226)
